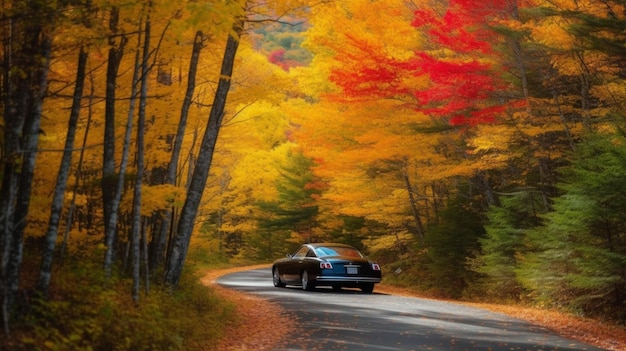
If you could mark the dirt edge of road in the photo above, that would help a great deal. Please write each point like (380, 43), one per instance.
(262, 325)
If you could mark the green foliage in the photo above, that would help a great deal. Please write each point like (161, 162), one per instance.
(440, 268)
(577, 260)
(293, 211)
(351, 231)
(504, 242)
(450, 243)
(84, 315)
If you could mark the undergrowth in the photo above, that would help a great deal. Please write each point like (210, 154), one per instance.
(87, 312)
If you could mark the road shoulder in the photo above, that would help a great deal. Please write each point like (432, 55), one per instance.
(260, 326)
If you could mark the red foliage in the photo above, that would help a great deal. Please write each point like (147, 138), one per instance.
(462, 81)
(464, 26)
(458, 91)
(462, 86)
(369, 73)
(277, 57)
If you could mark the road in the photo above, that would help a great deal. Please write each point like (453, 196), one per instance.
(350, 320)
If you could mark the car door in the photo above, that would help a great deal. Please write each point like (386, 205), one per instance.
(293, 266)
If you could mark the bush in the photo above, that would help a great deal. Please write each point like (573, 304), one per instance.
(87, 312)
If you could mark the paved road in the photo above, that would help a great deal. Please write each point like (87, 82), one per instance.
(350, 320)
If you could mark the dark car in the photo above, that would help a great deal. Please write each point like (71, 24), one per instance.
(326, 264)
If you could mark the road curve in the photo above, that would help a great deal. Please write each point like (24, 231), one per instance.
(352, 321)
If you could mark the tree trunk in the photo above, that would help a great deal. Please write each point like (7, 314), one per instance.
(14, 120)
(116, 52)
(79, 167)
(50, 239)
(112, 220)
(414, 209)
(203, 165)
(137, 232)
(159, 240)
(27, 60)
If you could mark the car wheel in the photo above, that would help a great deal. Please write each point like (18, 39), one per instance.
(306, 283)
(276, 279)
(367, 288)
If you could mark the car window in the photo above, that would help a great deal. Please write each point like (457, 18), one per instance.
(325, 251)
(348, 251)
(302, 252)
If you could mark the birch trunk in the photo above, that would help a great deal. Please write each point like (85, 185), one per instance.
(108, 185)
(116, 192)
(159, 241)
(137, 232)
(50, 239)
(205, 157)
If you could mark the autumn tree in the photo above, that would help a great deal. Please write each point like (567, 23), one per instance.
(201, 172)
(366, 64)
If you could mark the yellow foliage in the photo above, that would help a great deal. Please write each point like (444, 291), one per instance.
(156, 198)
(567, 64)
(615, 91)
(490, 138)
(552, 32)
(336, 22)
(389, 241)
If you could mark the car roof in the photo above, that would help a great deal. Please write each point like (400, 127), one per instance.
(316, 245)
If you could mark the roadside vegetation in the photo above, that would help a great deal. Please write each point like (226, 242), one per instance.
(87, 311)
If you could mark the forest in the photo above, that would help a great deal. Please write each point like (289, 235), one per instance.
(476, 149)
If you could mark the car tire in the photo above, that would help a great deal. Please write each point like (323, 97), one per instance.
(276, 278)
(307, 284)
(367, 288)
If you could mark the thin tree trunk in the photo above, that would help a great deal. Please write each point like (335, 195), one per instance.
(414, 209)
(172, 168)
(13, 122)
(144, 244)
(30, 142)
(160, 239)
(205, 157)
(119, 188)
(109, 193)
(50, 239)
(79, 167)
(137, 232)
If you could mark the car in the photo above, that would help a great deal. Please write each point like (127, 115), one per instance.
(326, 264)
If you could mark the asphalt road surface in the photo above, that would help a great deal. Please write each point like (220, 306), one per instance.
(350, 320)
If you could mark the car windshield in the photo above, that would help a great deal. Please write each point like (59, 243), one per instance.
(326, 251)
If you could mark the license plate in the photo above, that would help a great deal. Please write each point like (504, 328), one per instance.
(352, 270)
